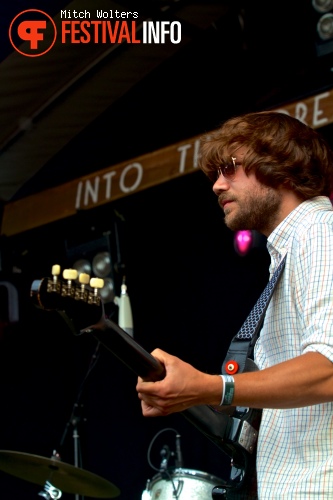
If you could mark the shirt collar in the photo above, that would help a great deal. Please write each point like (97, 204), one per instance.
(278, 240)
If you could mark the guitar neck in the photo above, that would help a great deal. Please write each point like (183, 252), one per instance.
(213, 425)
(127, 350)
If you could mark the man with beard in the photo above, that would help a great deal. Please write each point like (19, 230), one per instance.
(274, 174)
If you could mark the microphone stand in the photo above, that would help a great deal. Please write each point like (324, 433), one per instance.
(76, 416)
(74, 422)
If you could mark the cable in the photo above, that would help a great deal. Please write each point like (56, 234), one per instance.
(153, 441)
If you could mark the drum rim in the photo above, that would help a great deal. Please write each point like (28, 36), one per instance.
(186, 472)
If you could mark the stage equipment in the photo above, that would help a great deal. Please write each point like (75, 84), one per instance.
(323, 16)
(57, 476)
(95, 259)
(100, 256)
(183, 484)
(233, 429)
(9, 303)
(322, 6)
(174, 481)
(243, 241)
(83, 266)
(125, 318)
(247, 240)
(102, 265)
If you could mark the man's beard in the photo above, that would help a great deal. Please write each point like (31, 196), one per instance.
(257, 210)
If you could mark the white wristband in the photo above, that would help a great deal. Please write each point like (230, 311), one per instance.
(228, 390)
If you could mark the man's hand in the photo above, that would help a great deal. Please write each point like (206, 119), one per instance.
(183, 386)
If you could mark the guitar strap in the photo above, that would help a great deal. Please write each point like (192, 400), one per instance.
(242, 345)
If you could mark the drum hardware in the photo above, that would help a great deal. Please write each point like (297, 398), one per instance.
(183, 484)
(173, 482)
(77, 417)
(179, 455)
(50, 492)
(219, 492)
(55, 475)
(146, 493)
(165, 454)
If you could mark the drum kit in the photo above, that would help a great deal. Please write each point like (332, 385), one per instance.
(183, 484)
(56, 476)
(171, 482)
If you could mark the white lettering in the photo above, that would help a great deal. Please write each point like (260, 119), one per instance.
(101, 13)
(108, 186)
(75, 14)
(139, 169)
(151, 32)
(178, 31)
(316, 111)
(92, 187)
(164, 30)
(78, 195)
(196, 153)
(91, 191)
(301, 111)
(183, 154)
(155, 32)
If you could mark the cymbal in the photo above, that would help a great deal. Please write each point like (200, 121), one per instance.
(67, 478)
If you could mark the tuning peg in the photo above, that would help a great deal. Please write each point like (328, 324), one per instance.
(96, 284)
(84, 279)
(55, 272)
(69, 275)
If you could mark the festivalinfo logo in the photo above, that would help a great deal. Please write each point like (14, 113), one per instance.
(33, 32)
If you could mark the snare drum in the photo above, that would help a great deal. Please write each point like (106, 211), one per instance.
(181, 484)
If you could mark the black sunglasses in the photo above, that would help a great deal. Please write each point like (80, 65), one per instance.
(228, 168)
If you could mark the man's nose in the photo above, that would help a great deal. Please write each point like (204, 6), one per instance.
(221, 184)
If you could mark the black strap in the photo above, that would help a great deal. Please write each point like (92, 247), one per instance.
(241, 346)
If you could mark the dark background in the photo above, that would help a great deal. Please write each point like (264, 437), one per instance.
(190, 291)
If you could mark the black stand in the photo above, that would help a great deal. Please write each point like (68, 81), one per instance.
(74, 421)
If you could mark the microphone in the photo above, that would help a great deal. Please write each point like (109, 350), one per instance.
(179, 457)
(125, 319)
(165, 454)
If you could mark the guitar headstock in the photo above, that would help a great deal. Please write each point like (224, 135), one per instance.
(75, 295)
(78, 297)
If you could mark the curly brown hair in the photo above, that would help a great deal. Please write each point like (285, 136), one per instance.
(281, 151)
